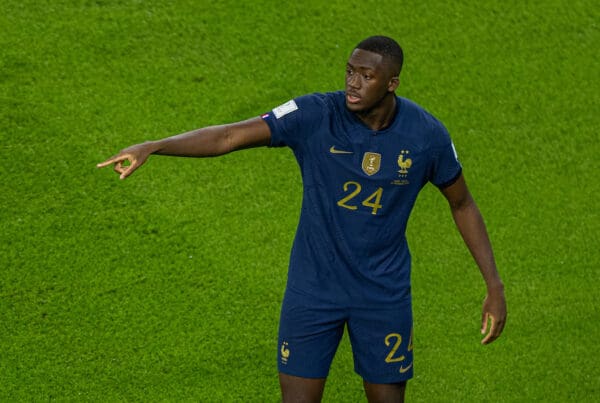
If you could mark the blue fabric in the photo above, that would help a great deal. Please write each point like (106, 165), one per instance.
(360, 186)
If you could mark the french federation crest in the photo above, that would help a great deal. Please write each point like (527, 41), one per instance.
(404, 164)
(371, 163)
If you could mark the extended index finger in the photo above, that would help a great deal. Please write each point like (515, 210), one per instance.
(112, 160)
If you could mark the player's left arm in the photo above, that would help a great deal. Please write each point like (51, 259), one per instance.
(472, 228)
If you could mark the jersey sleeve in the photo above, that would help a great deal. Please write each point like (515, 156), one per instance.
(293, 122)
(445, 167)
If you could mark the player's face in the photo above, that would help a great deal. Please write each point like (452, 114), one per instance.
(368, 81)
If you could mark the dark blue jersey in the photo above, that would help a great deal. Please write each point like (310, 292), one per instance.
(360, 186)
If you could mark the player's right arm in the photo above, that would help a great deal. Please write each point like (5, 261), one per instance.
(205, 142)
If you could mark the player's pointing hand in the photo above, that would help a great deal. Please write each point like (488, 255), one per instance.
(129, 159)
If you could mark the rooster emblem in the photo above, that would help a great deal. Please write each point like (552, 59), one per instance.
(404, 164)
(285, 352)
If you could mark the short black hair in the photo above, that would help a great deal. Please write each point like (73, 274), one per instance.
(386, 47)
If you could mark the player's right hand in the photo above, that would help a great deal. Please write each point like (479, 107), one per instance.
(129, 159)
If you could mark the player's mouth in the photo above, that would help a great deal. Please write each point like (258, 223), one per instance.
(352, 98)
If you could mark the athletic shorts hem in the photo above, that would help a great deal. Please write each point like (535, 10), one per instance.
(300, 374)
(386, 378)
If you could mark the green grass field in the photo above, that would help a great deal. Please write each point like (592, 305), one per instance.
(167, 286)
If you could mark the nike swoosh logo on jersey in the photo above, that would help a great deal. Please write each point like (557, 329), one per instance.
(334, 150)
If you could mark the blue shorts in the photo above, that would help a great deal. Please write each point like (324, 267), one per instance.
(310, 333)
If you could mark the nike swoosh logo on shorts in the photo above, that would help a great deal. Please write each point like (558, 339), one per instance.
(403, 369)
(334, 150)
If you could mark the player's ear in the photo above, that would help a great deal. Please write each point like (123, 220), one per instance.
(394, 83)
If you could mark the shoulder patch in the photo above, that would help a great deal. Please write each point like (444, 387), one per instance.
(282, 110)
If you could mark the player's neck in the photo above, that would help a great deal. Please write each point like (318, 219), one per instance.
(381, 116)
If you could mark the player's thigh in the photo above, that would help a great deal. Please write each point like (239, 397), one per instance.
(298, 389)
(309, 335)
(380, 393)
(382, 343)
